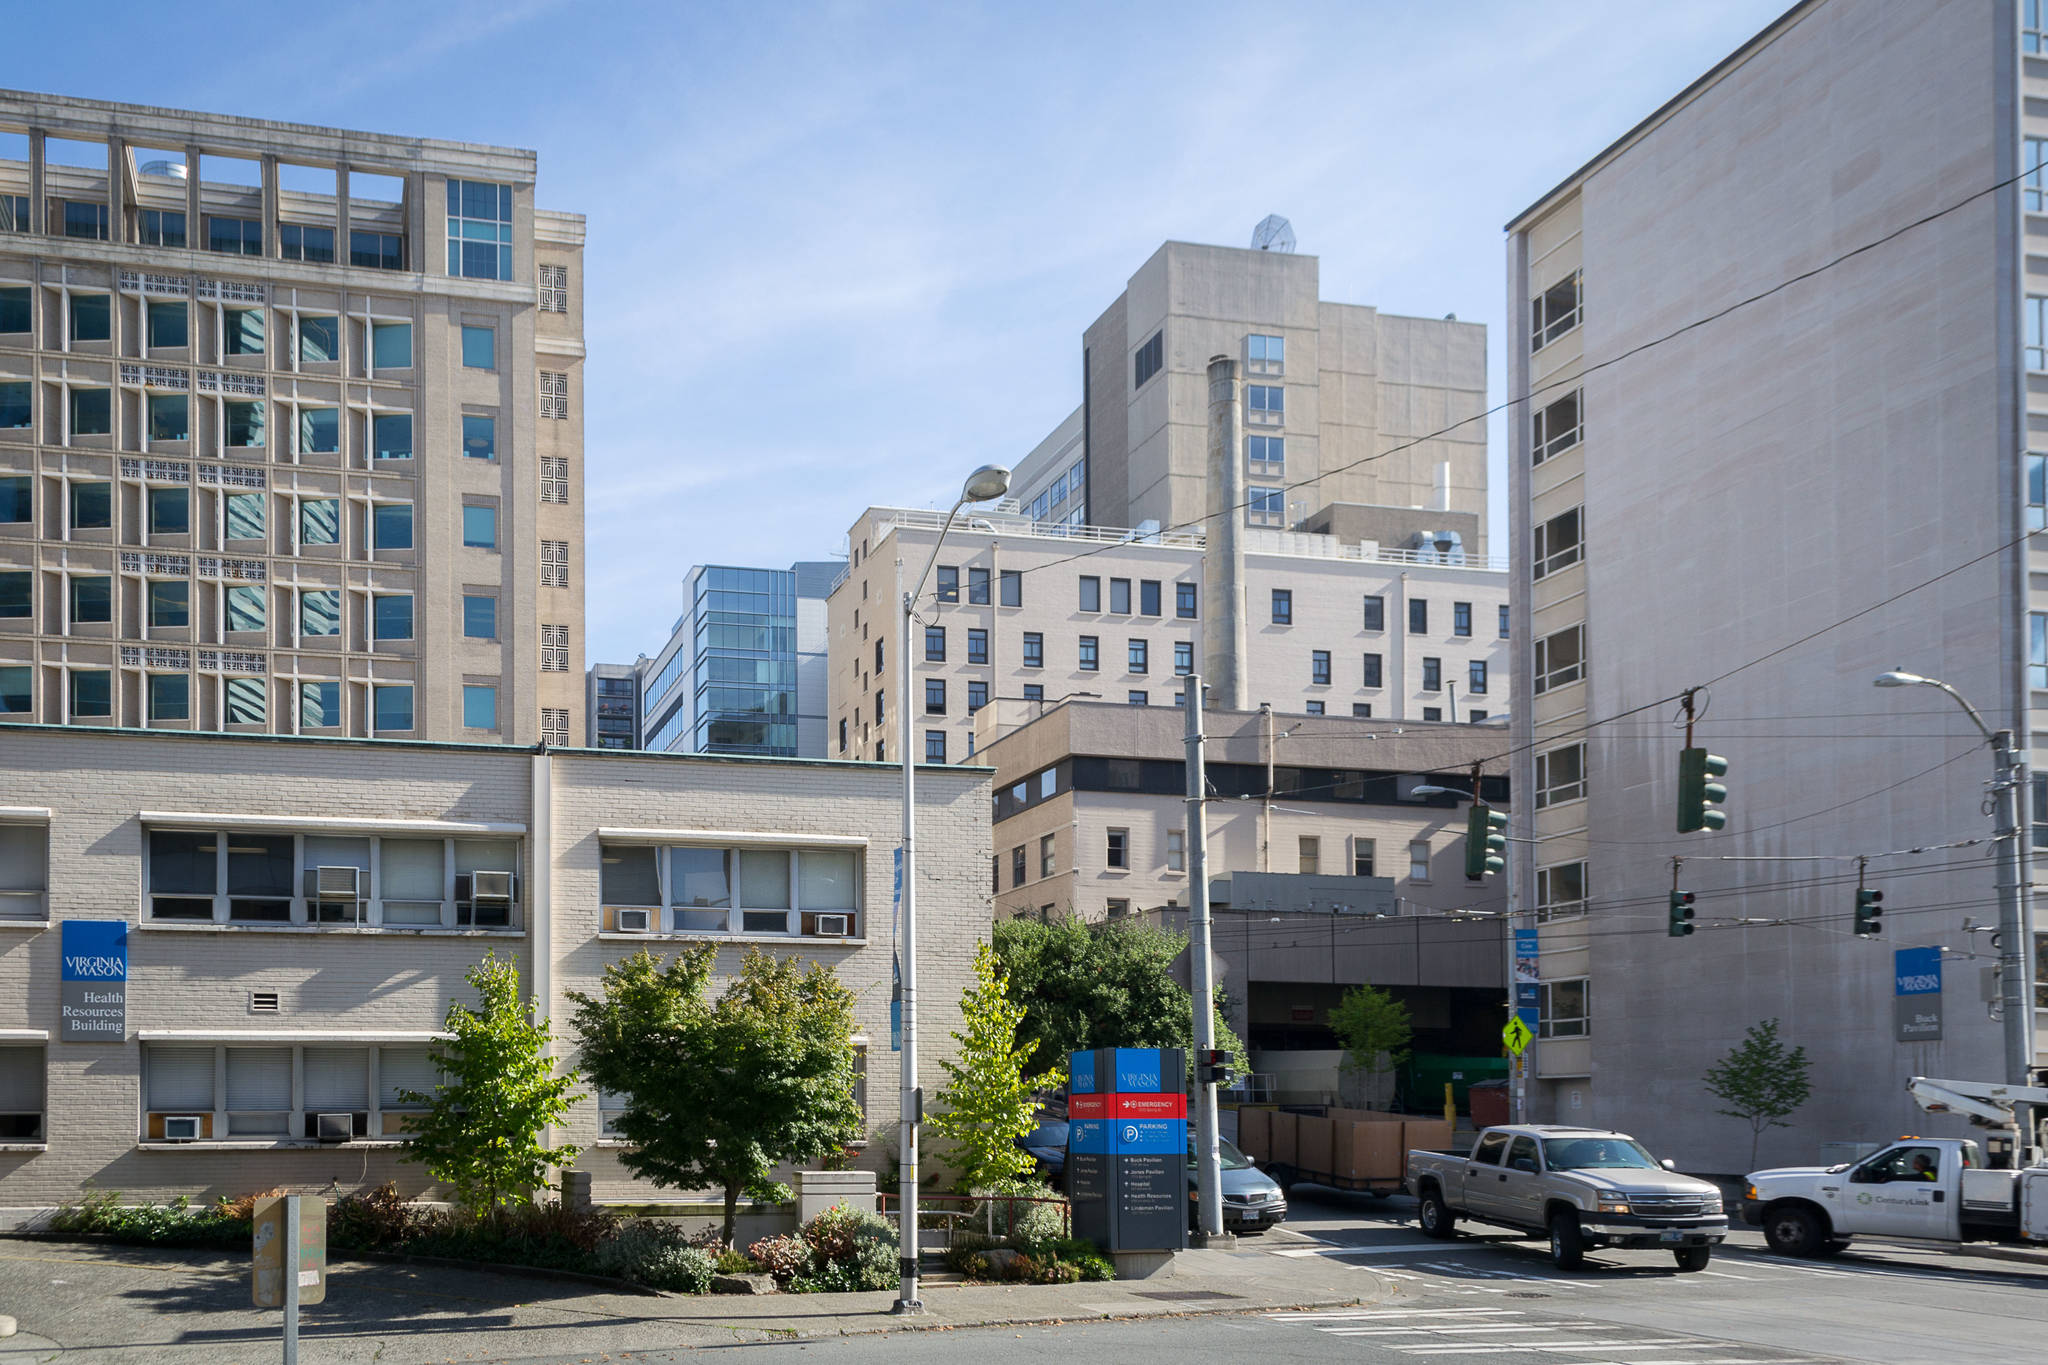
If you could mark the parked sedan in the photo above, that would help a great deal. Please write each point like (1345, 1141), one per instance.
(1251, 1201)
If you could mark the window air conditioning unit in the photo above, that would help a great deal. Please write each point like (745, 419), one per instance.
(485, 898)
(334, 883)
(835, 925)
(182, 1127)
(634, 921)
(335, 1127)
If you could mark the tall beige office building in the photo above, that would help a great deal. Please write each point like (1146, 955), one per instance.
(290, 430)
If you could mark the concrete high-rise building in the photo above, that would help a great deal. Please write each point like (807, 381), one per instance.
(1782, 347)
(744, 668)
(290, 430)
(612, 699)
(1342, 403)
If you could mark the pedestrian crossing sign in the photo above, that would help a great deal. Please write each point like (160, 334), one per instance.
(1516, 1035)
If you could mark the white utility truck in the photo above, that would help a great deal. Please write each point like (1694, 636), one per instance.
(1934, 1189)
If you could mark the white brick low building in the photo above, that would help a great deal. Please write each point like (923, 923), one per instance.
(299, 912)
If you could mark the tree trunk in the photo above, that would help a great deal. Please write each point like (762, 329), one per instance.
(732, 1199)
(1756, 1136)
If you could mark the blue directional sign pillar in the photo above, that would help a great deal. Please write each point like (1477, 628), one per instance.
(1127, 1148)
(1916, 995)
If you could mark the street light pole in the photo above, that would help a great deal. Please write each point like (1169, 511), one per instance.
(1208, 1154)
(984, 484)
(2015, 936)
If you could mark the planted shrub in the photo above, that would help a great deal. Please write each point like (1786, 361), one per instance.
(657, 1255)
(783, 1257)
(101, 1214)
(372, 1220)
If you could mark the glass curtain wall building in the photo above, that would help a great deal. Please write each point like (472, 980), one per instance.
(743, 660)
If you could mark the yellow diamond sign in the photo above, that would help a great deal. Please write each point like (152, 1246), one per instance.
(1516, 1035)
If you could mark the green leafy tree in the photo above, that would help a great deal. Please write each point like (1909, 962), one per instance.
(718, 1094)
(1374, 1028)
(481, 1132)
(987, 1103)
(1760, 1082)
(1108, 984)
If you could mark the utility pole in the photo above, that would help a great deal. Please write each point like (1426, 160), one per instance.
(2016, 948)
(1208, 1154)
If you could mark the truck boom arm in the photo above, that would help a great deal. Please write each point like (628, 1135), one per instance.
(1987, 1104)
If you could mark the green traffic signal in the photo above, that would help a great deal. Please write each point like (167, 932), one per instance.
(1681, 914)
(1869, 913)
(1486, 841)
(1698, 792)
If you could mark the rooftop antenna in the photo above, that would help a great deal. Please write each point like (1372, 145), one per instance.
(1273, 233)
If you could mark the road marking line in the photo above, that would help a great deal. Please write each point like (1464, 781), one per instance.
(1351, 1316)
(1394, 1250)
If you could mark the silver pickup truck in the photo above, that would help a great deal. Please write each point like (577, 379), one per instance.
(1584, 1187)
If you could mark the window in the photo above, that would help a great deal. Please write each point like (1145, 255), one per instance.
(17, 696)
(1176, 850)
(169, 417)
(1475, 677)
(1090, 654)
(479, 230)
(1560, 892)
(1283, 607)
(92, 598)
(319, 339)
(1560, 659)
(1432, 713)
(977, 646)
(92, 692)
(479, 436)
(1267, 455)
(319, 705)
(391, 436)
(935, 746)
(949, 583)
(1418, 616)
(2037, 649)
(392, 706)
(320, 521)
(1091, 593)
(1309, 849)
(1148, 597)
(169, 325)
(15, 597)
(1012, 584)
(1556, 429)
(1183, 657)
(480, 527)
(1362, 857)
(245, 425)
(1150, 360)
(17, 503)
(246, 701)
(391, 616)
(1375, 613)
(878, 669)
(297, 242)
(1557, 543)
(2037, 466)
(1418, 860)
(1554, 312)
(159, 228)
(1560, 775)
(1034, 692)
(170, 602)
(554, 479)
(479, 348)
(1138, 698)
(14, 308)
(554, 288)
(977, 587)
(1265, 404)
(1461, 619)
(92, 412)
(1139, 656)
(842, 740)
(1504, 619)
(1118, 852)
(1361, 710)
(14, 213)
(2037, 332)
(391, 345)
(1120, 596)
(1184, 601)
(2033, 28)
(1432, 674)
(242, 331)
(319, 431)
(24, 870)
(1372, 671)
(92, 317)
(1478, 716)
(977, 696)
(1034, 649)
(935, 696)
(1319, 668)
(554, 395)
(1017, 866)
(320, 611)
(1265, 506)
(16, 413)
(1561, 1008)
(85, 220)
(247, 607)
(479, 707)
(479, 616)
(170, 696)
(935, 644)
(376, 250)
(1265, 354)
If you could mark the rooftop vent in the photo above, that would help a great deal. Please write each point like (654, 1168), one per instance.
(174, 170)
(1273, 233)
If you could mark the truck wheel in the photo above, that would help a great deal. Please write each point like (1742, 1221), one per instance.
(1567, 1243)
(1435, 1215)
(1693, 1258)
(1794, 1231)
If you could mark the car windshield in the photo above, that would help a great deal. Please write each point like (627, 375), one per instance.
(1052, 1135)
(1592, 1154)
(1233, 1160)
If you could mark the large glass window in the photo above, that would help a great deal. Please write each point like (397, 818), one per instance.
(1267, 455)
(162, 228)
(170, 602)
(16, 593)
(391, 436)
(170, 696)
(1562, 1008)
(1560, 659)
(1265, 404)
(92, 317)
(86, 220)
(17, 698)
(319, 339)
(977, 645)
(92, 598)
(234, 236)
(247, 606)
(1265, 354)
(1555, 429)
(300, 242)
(1554, 312)
(92, 412)
(92, 692)
(480, 527)
(245, 425)
(391, 706)
(1283, 606)
(391, 526)
(479, 706)
(247, 701)
(479, 230)
(1556, 543)
(480, 617)
(376, 250)
(1561, 775)
(1184, 598)
(320, 612)
(319, 431)
(242, 331)
(14, 308)
(320, 521)
(479, 347)
(1091, 593)
(169, 325)
(1560, 891)
(1265, 506)
(170, 417)
(247, 515)
(319, 705)
(391, 616)
(16, 408)
(479, 436)
(17, 499)
(391, 345)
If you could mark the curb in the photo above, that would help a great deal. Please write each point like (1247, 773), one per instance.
(912, 1325)
(524, 1272)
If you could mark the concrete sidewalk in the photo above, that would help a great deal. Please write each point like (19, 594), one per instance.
(120, 1304)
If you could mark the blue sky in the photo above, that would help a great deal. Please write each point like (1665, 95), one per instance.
(841, 253)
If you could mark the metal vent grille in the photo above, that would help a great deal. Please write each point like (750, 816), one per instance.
(554, 289)
(554, 563)
(554, 395)
(554, 649)
(554, 478)
(554, 725)
(263, 1002)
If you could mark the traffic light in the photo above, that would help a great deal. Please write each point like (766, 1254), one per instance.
(1213, 1068)
(1698, 791)
(1486, 843)
(1869, 913)
(1681, 914)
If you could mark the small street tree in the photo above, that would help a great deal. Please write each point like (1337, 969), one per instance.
(1760, 1082)
(718, 1094)
(987, 1105)
(1374, 1029)
(481, 1132)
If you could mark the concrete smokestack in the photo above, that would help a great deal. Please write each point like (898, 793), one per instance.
(1441, 501)
(1223, 614)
